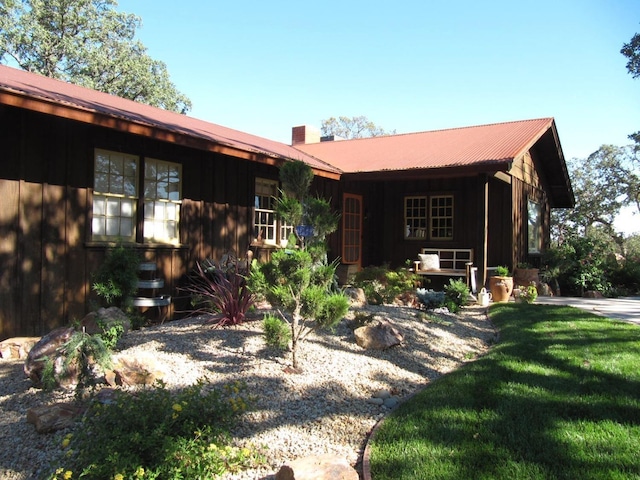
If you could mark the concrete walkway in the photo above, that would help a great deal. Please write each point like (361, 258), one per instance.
(623, 308)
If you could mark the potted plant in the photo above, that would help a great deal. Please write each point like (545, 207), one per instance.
(501, 285)
(525, 274)
(526, 294)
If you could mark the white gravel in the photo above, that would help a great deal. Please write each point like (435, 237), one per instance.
(325, 409)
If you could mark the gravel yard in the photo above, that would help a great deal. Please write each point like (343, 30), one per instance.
(325, 409)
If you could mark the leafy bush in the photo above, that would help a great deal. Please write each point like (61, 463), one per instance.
(581, 264)
(456, 294)
(158, 434)
(117, 278)
(277, 332)
(528, 294)
(220, 291)
(382, 285)
(502, 271)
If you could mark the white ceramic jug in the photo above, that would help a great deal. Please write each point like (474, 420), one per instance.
(484, 297)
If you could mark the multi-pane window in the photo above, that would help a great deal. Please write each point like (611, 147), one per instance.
(162, 199)
(441, 207)
(428, 217)
(117, 203)
(415, 217)
(264, 220)
(115, 196)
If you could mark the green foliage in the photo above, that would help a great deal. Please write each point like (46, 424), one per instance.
(84, 351)
(277, 332)
(382, 285)
(581, 264)
(110, 333)
(159, 434)
(88, 43)
(456, 294)
(117, 278)
(224, 292)
(528, 294)
(502, 271)
(296, 177)
(430, 298)
(48, 375)
(354, 127)
(292, 281)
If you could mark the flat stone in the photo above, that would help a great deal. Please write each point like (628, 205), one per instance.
(317, 467)
(50, 418)
(375, 400)
(17, 347)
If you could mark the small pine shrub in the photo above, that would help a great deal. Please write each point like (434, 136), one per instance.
(117, 278)
(456, 294)
(277, 332)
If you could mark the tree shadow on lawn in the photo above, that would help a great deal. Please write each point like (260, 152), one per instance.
(542, 404)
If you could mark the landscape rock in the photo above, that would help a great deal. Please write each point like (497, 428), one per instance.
(49, 347)
(381, 336)
(50, 418)
(140, 369)
(17, 347)
(103, 319)
(356, 296)
(317, 467)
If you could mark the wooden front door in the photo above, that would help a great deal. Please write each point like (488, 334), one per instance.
(352, 229)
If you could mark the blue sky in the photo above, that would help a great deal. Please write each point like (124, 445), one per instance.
(264, 67)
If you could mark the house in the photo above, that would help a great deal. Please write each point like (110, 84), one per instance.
(80, 169)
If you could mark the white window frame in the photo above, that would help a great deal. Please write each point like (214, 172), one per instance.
(265, 224)
(118, 204)
(115, 196)
(415, 217)
(162, 201)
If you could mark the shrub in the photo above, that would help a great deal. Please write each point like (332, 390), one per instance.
(158, 434)
(528, 294)
(117, 278)
(456, 294)
(223, 292)
(430, 298)
(382, 285)
(277, 332)
(502, 271)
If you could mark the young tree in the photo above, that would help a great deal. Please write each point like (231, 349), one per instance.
(88, 43)
(354, 127)
(299, 280)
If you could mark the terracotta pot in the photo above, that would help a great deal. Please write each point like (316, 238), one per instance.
(501, 288)
(525, 276)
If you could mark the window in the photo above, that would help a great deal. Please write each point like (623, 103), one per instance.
(428, 216)
(115, 196)
(442, 217)
(415, 217)
(264, 217)
(116, 200)
(162, 194)
(534, 227)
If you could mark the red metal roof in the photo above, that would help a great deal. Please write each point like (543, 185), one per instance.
(493, 144)
(29, 90)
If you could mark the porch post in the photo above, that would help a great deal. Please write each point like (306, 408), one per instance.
(484, 222)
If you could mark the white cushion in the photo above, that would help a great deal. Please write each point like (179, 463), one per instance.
(429, 261)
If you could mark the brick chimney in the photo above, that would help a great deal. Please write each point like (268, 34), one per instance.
(304, 134)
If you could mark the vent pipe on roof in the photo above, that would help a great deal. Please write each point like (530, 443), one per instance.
(304, 134)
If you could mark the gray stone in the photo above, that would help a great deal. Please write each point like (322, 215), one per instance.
(375, 400)
(391, 402)
(356, 296)
(382, 394)
(49, 347)
(103, 319)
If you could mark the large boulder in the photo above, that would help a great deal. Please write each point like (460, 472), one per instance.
(356, 296)
(50, 418)
(379, 336)
(105, 318)
(48, 349)
(317, 467)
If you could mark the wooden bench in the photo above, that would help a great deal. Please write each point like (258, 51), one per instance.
(454, 262)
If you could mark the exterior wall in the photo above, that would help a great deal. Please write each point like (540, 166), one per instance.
(46, 254)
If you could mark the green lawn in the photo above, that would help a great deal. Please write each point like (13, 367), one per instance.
(558, 397)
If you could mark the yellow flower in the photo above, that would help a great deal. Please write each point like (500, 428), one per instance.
(177, 407)
(65, 442)
(67, 475)
(139, 472)
(118, 476)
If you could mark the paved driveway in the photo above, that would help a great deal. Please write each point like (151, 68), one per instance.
(623, 308)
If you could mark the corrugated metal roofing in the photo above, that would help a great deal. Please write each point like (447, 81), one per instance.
(484, 144)
(71, 96)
